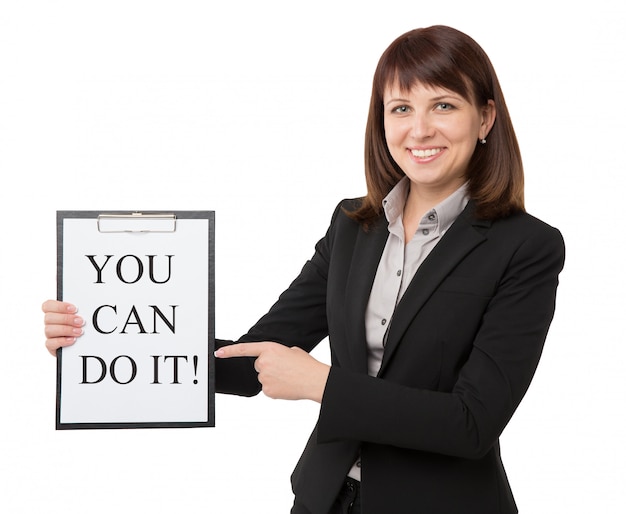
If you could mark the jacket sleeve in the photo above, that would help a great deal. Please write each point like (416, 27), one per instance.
(466, 421)
(298, 318)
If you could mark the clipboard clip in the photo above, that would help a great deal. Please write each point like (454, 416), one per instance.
(136, 222)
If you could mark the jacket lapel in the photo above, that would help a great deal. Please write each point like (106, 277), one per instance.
(464, 235)
(367, 252)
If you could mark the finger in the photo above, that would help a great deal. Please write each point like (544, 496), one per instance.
(58, 342)
(57, 306)
(241, 350)
(52, 318)
(54, 331)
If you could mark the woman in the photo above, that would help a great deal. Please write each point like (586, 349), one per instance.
(436, 291)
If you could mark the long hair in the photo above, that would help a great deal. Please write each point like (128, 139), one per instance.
(444, 57)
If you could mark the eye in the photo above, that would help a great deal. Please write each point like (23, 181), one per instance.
(401, 109)
(444, 106)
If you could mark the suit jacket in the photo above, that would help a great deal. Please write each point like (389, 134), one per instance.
(462, 348)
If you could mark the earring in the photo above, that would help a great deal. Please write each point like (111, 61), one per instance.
(483, 141)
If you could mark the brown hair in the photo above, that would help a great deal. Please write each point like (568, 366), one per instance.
(444, 57)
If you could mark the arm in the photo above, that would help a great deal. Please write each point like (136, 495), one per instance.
(467, 420)
(284, 373)
(277, 346)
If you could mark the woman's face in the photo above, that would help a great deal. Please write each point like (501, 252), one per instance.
(432, 132)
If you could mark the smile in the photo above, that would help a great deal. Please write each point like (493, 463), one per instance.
(426, 153)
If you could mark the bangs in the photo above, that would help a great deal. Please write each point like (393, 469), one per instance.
(413, 60)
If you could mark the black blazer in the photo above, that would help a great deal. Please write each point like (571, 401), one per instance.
(462, 348)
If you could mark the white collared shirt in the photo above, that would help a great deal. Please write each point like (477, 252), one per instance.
(398, 265)
(399, 262)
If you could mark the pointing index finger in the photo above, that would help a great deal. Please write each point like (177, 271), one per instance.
(240, 350)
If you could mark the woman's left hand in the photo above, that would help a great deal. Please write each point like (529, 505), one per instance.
(285, 373)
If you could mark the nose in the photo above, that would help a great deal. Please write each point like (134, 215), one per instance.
(421, 128)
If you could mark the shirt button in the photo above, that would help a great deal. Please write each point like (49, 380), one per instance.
(425, 231)
(431, 217)
(383, 321)
(358, 463)
(399, 272)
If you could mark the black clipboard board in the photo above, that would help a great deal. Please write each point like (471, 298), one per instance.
(144, 284)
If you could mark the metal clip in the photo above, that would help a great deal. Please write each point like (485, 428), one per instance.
(136, 222)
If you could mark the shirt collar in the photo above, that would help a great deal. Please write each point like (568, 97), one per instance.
(393, 203)
(446, 212)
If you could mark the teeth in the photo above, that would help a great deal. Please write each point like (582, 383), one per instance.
(426, 153)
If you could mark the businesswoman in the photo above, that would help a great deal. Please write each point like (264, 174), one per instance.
(436, 291)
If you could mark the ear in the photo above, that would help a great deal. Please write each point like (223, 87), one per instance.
(488, 118)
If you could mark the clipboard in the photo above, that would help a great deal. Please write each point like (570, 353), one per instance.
(144, 285)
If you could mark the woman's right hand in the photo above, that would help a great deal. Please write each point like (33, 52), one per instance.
(62, 325)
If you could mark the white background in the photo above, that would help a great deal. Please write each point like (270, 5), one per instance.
(256, 110)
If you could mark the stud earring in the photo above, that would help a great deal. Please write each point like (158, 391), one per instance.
(483, 141)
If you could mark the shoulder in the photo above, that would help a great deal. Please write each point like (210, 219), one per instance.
(525, 225)
(517, 227)
(341, 215)
(349, 206)
(518, 231)
(345, 231)
(344, 222)
(524, 233)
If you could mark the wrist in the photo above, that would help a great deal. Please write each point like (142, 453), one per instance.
(320, 384)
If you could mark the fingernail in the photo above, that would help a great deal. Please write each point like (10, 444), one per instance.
(79, 321)
(218, 353)
(77, 331)
(71, 308)
(70, 339)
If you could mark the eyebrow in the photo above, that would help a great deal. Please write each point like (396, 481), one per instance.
(397, 100)
(443, 97)
(434, 99)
